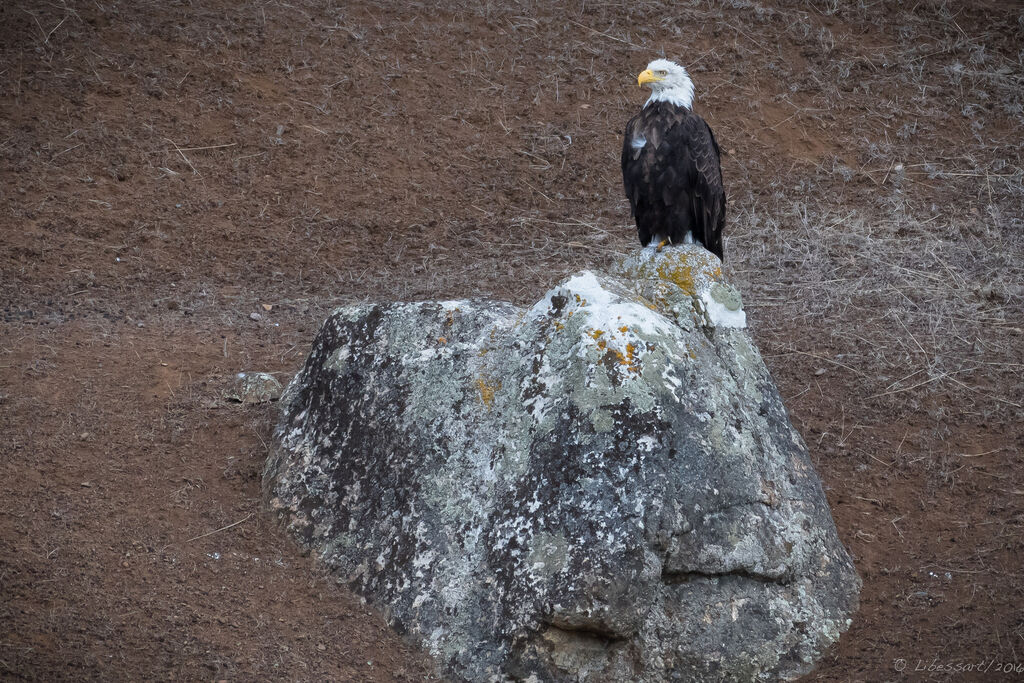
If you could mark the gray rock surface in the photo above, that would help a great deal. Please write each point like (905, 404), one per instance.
(605, 486)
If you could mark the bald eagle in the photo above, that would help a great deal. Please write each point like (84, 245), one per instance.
(671, 165)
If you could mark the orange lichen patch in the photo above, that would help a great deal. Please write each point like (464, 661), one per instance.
(680, 274)
(442, 340)
(631, 359)
(615, 357)
(596, 335)
(487, 391)
(624, 329)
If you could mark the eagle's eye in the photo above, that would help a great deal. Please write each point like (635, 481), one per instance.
(661, 72)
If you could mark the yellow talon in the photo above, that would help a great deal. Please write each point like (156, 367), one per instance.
(661, 245)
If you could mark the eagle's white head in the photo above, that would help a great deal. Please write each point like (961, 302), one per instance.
(668, 82)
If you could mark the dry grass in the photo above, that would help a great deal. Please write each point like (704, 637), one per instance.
(911, 306)
(905, 264)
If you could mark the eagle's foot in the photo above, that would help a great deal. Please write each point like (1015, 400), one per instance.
(661, 245)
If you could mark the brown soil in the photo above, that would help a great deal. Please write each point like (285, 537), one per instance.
(169, 169)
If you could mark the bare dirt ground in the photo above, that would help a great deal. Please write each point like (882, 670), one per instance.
(168, 169)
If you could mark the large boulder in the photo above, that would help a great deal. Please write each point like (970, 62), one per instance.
(604, 486)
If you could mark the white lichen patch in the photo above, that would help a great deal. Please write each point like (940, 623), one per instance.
(606, 308)
(720, 315)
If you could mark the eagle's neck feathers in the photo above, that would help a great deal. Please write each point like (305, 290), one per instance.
(680, 95)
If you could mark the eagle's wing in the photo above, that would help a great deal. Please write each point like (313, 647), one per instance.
(695, 190)
(709, 195)
(635, 176)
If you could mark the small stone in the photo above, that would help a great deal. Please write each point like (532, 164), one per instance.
(255, 316)
(253, 387)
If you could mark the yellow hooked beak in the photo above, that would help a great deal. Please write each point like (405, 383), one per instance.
(647, 76)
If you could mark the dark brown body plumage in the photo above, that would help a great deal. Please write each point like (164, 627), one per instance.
(674, 180)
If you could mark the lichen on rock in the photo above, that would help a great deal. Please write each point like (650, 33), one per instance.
(603, 486)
